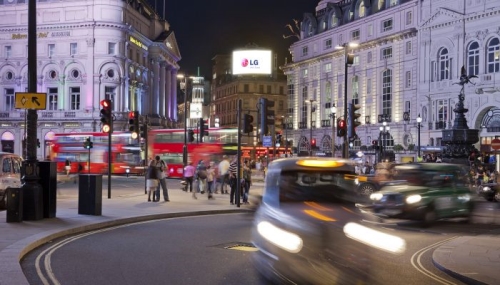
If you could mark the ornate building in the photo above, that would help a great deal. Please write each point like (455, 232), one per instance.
(86, 52)
(409, 56)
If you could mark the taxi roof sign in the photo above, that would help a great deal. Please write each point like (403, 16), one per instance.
(26, 100)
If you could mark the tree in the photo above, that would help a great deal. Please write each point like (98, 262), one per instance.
(398, 147)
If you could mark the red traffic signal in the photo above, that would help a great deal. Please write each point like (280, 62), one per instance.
(341, 128)
(313, 142)
(106, 116)
(374, 142)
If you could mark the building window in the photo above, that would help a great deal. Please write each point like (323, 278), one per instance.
(246, 88)
(73, 48)
(409, 18)
(304, 107)
(109, 93)
(328, 43)
(261, 89)
(493, 56)
(334, 21)
(387, 25)
(369, 86)
(52, 96)
(355, 90)
(408, 79)
(408, 47)
(369, 30)
(74, 93)
(355, 60)
(111, 48)
(473, 59)
(268, 89)
(444, 64)
(387, 92)
(304, 73)
(328, 67)
(355, 35)
(369, 57)
(386, 53)
(10, 102)
(328, 92)
(442, 111)
(8, 51)
(305, 50)
(51, 50)
(281, 90)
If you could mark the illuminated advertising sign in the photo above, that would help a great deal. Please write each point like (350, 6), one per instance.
(252, 62)
(195, 110)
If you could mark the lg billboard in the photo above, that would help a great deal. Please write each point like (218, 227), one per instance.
(252, 62)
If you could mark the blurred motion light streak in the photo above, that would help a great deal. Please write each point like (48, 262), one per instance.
(281, 238)
(318, 216)
(374, 238)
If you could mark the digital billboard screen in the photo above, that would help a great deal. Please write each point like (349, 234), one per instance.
(252, 62)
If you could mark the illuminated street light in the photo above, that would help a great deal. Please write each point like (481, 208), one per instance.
(419, 121)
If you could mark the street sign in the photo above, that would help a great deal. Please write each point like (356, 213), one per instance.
(495, 144)
(267, 141)
(25, 100)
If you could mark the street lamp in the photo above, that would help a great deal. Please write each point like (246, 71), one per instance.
(184, 88)
(348, 59)
(384, 130)
(311, 101)
(332, 115)
(285, 126)
(419, 121)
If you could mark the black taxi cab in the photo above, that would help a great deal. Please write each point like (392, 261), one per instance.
(308, 231)
(10, 171)
(425, 192)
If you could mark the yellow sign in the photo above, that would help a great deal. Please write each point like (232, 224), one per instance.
(26, 100)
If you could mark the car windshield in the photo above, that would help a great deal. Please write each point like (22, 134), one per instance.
(300, 186)
(430, 177)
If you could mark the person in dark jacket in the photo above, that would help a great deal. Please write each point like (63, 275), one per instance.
(152, 180)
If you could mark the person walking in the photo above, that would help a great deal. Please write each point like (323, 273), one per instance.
(201, 177)
(210, 179)
(223, 174)
(247, 181)
(161, 166)
(67, 167)
(188, 177)
(152, 180)
(233, 178)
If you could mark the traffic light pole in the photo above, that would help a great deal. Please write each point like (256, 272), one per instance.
(109, 161)
(345, 149)
(238, 167)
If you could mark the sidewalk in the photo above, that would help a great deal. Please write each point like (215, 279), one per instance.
(472, 259)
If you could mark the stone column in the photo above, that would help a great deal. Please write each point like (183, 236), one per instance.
(153, 99)
(168, 93)
(162, 95)
(173, 96)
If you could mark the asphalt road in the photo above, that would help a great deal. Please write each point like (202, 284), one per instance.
(195, 250)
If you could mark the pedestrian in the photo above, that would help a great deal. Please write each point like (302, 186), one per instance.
(188, 177)
(152, 180)
(223, 174)
(67, 167)
(161, 166)
(233, 178)
(201, 177)
(210, 179)
(247, 181)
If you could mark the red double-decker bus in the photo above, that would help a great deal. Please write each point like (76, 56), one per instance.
(125, 155)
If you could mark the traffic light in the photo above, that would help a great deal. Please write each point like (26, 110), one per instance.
(144, 130)
(352, 120)
(247, 123)
(266, 112)
(87, 144)
(203, 129)
(341, 128)
(106, 116)
(191, 136)
(375, 144)
(133, 121)
(313, 143)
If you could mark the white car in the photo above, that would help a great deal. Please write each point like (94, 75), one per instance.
(10, 174)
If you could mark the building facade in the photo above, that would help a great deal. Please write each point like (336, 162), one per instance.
(409, 54)
(87, 52)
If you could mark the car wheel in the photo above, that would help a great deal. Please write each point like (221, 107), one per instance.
(366, 189)
(497, 197)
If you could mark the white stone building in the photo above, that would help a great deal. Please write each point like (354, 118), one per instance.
(87, 51)
(409, 54)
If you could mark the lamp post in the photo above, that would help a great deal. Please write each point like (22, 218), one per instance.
(348, 59)
(332, 115)
(285, 126)
(311, 101)
(419, 121)
(384, 130)
(184, 88)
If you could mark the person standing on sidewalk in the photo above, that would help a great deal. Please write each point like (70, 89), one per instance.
(247, 178)
(210, 179)
(188, 176)
(233, 178)
(152, 180)
(161, 166)
(223, 174)
(201, 177)
(67, 167)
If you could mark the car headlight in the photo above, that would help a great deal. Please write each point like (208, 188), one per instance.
(486, 188)
(412, 199)
(279, 237)
(465, 197)
(356, 181)
(376, 196)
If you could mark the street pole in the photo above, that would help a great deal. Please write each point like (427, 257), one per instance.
(238, 165)
(184, 148)
(419, 121)
(311, 128)
(333, 135)
(286, 136)
(346, 141)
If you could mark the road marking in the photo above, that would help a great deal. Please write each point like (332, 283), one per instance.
(417, 264)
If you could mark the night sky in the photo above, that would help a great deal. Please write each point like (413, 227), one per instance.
(206, 28)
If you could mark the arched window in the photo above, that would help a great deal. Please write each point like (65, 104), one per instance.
(361, 9)
(387, 92)
(493, 56)
(334, 20)
(328, 100)
(444, 64)
(473, 59)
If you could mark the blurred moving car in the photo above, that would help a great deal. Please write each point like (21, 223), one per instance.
(308, 230)
(489, 191)
(10, 174)
(425, 192)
